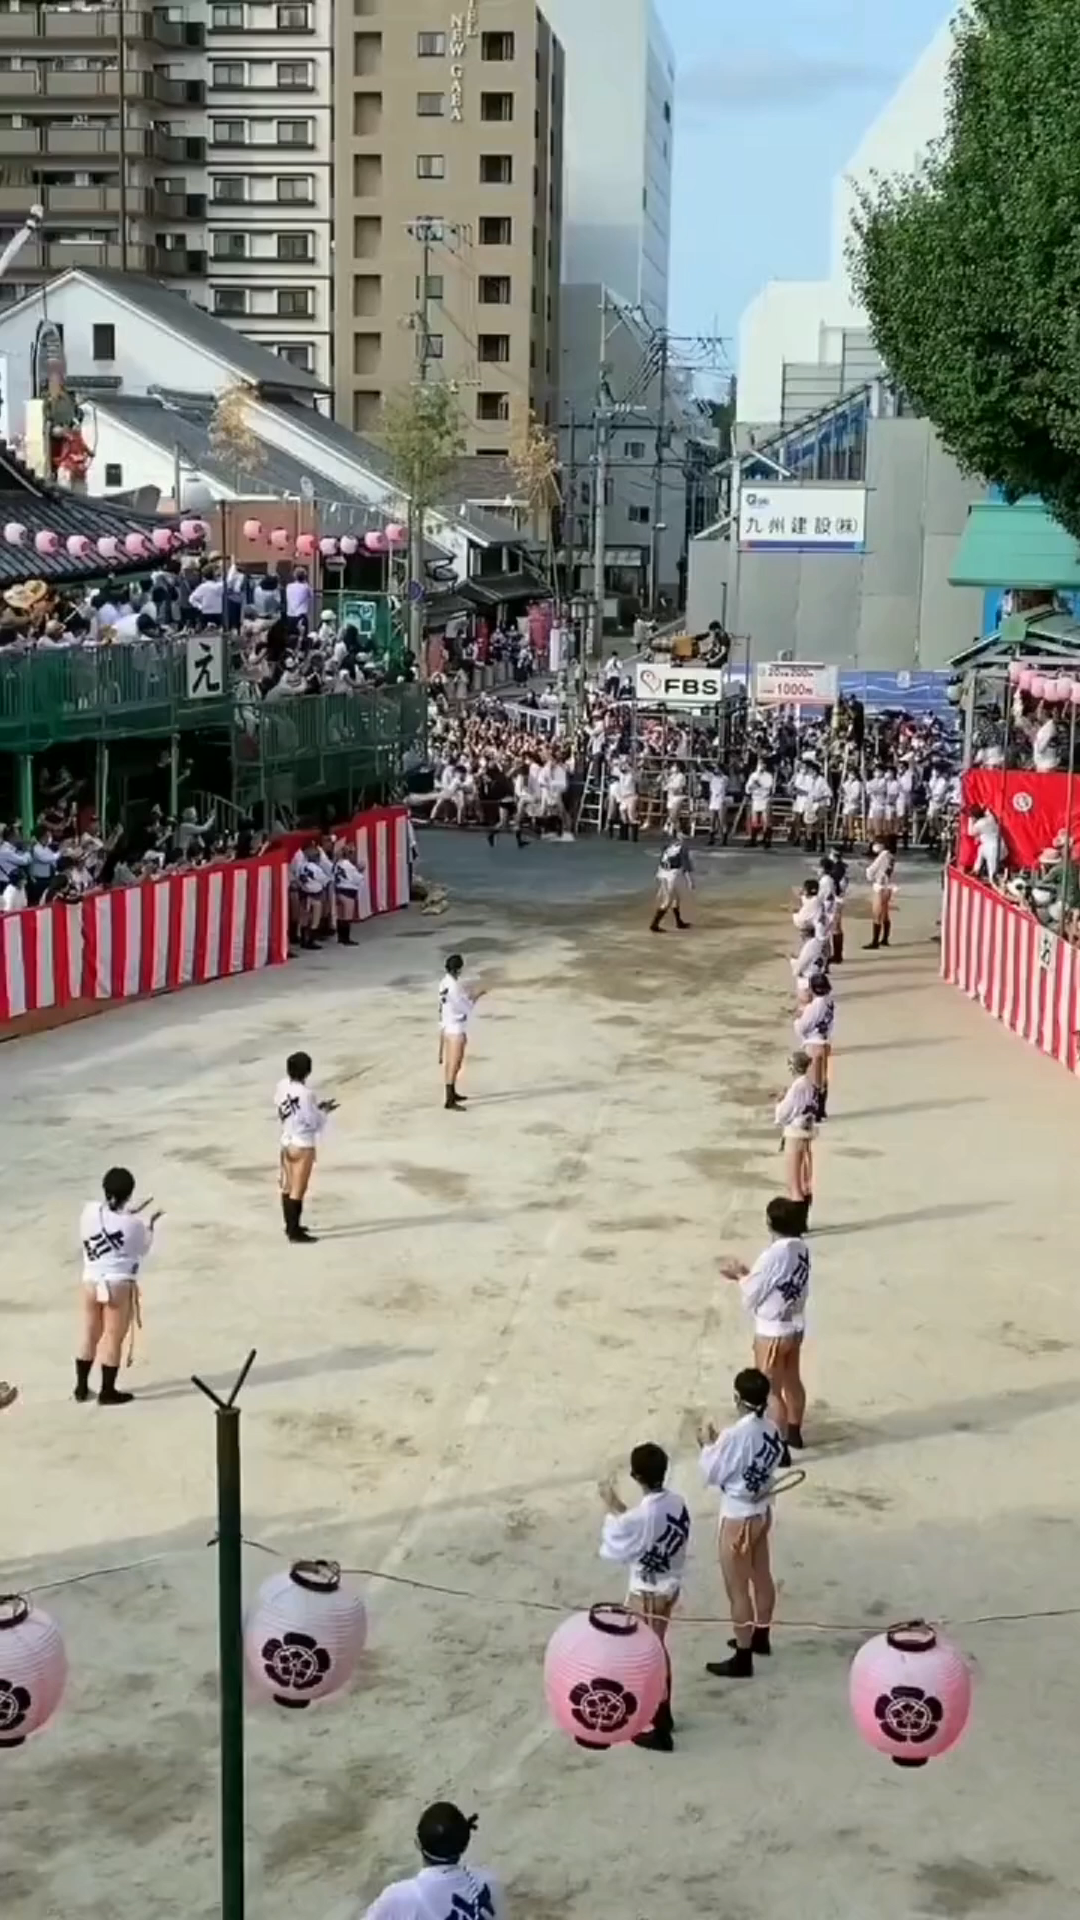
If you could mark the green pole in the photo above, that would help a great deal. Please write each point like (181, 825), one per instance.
(26, 791)
(174, 776)
(230, 1540)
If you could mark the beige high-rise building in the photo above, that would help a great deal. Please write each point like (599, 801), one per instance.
(448, 165)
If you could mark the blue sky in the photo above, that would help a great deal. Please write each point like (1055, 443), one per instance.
(773, 96)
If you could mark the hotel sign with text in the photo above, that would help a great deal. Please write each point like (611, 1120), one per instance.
(463, 28)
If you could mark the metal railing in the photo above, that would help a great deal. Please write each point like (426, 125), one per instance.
(104, 693)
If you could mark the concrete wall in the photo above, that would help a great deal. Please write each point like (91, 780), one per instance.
(890, 608)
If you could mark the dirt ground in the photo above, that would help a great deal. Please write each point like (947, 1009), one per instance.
(501, 1304)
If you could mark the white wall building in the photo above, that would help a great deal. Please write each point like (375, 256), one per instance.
(619, 129)
(795, 326)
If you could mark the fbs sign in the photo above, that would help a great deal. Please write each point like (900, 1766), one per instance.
(674, 686)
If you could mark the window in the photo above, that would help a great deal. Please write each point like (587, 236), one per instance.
(635, 450)
(496, 230)
(434, 287)
(292, 19)
(497, 106)
(295, 74)
(114, 474)
(224, 18)
(295, 133)
(295, 246)
(228, 186)
(294, 303)
(430, 166)
(434, 344)
(639, 515)
(495, 289)
(430, 46)
(297, 352)
(667, 111)
(228, 133)
(104, 343)
(493, 347)
(227, 73)
(496, 169)
(430, 106)
(230, 301)
(295, 189)
(493, 406)
(230, 246)
(496, 46)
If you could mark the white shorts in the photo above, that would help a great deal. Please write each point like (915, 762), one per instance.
(454, 1033)
(110, 1293)
(803, 1130)
(669, 887)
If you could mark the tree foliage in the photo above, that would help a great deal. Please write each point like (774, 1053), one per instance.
(970, 268)
(422, 433)
(232, 438)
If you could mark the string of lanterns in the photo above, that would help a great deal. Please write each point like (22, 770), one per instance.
(1056, 688)
(279, 539)
(604, 1673)
(158, 542)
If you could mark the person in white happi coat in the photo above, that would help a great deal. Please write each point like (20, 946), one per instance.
(650, 1539)
(457, 999)
(937, 800)
(302, 1116)
(816, 810)
(881, 877)
(115, 1242)
(443, 1889)
(350, 890)
(674, 799)
(797, 1118)
(622, 801)
(852, 803)
(985, 830)
(759, 799)
(813, 924)
(741, 1464)
(800, 787)
(877, 802)
(774, 1292)
(718, 804)
(905, 801)
(674, 877)
(310, 882)
(814, 1030)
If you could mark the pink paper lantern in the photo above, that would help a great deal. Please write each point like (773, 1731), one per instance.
(135, 545)
(1024, 679)
(191, 529)
(305, 545)
(605, 1674)
(349, 544)
(33, 1669)
(375, 542)
(1065, 686)
(108, 546)
(279, 539)
(304, 1635)
(162, 539)
(396, 535)
(14, 533)
(253, 529)
(328, 548)
(77, 545)
(910, 1694)
(46, 541)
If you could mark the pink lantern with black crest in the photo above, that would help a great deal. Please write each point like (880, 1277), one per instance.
(162, 539)
(191, 530)
(304, 1635)
(136, 546)
(605, 1674)
(305, 545)
(1024, 679)
(253, 529)
(47, 542)
(279, 539)
(328, 548)
(349, 544)
(1065, 687)
(33, 1669)
(108, 546)
(78, 545)
(375, 542)
(14, 533)
(910, 1693)
(396, 534)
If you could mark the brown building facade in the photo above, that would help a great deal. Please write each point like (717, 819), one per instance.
(448, 167)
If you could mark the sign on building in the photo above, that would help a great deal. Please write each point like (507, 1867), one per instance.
(793, 519)
(796, 683)
(205, 666)
(667, 684)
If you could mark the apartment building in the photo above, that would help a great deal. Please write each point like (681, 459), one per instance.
(269, 159)
(102, 121)
(448, 209)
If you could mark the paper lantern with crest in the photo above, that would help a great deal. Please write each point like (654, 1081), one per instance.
(304, 1635)
(910, 1693)
(162, 539)
(14, 533)
(375, 542)
(279, 539)
(108, 546)
(253, 529)
(328, 547)
(136, 546)
(396, 534)
(605, 1674)
(33, 1669)
(305, 545)
(349, 544)
(191, 530)
(78, 545)
(46, 542)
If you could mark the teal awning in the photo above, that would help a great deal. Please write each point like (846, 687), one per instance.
(1019, 546)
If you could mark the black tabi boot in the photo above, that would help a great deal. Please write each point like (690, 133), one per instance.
(739, 1667)
(298, 1235)
(874, 941)
(109, 1395)
(656, 924)
(344, 933)
(679, 921)
(886, 929)
(82, 1380)
(454, 1099)
(838, 947)
(761, 1643)
(795, 1440)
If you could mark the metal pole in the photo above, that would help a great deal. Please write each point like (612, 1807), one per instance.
(1068, 864)
(230, 1540)
(658, 477)
(570, 511)
(600, 533)
(121, 77)
(734, 579)
(174, 776)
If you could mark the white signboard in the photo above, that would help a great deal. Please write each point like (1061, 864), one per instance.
(676, 684)
(205, 666)
(793, 519)
(796, 683)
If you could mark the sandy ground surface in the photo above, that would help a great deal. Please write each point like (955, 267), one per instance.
(502, 1303)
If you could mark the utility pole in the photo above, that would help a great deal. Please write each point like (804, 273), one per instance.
(658, 475)
(426, 231)
(570, 510)
(603, 433)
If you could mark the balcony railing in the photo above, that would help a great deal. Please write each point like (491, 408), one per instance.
(105, 693)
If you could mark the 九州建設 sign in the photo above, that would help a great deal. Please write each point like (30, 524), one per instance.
(792, 519)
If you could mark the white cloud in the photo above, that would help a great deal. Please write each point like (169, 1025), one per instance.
(743, 81)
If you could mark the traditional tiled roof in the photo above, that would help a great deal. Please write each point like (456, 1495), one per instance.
(40, 507)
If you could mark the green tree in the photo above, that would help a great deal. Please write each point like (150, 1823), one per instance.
(422, 432)
(970, 268)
